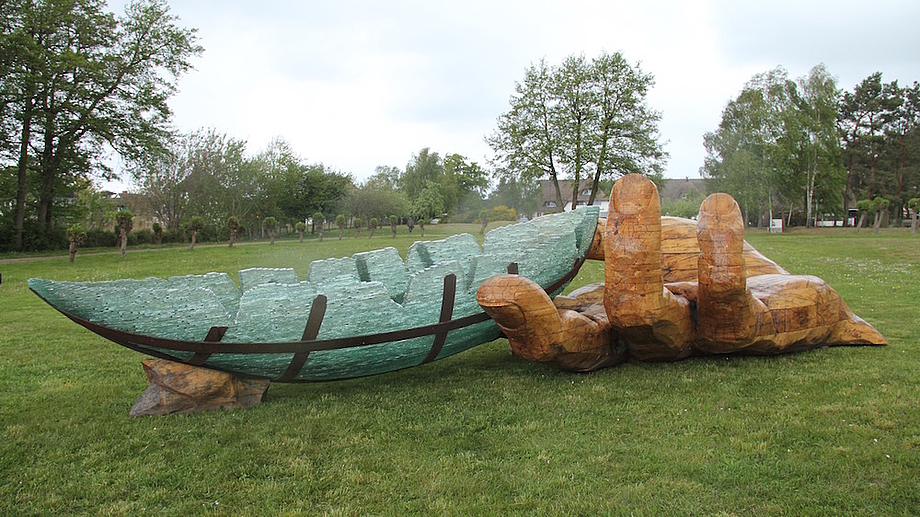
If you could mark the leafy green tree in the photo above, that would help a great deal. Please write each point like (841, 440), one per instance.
(75, 237)
(371, 226)
(742, 154)
(357, 223)
(523, 196)
(340, 222)
(422, 221)
(195, 225)
(464, 183)
(581, 119)
(901, 152)
(376, 199)
(157, 233)
(233, 225)
(422, 170)
(811, 140)
(429, 202)
(879, 206)
(75, 80)
(300, 227)
(123, 225)
(319, 221)
(271, 226)
(864, 114)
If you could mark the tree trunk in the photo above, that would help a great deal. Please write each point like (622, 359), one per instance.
(913, 223)
(862, 220)
(559, 203)
(320, 233)
(194, 237)
(124, 243)
(23, 169)
(48, 170)
(878, 221)
(232, 238)
(422, 226)
(301, 236)
(371, 236)
(72, 248)
(271, 237)
(393, 228)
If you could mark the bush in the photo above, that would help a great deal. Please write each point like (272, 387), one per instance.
(143, 236)
(100, 239)
(502, 213)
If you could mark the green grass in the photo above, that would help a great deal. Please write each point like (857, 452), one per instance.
(829, 432)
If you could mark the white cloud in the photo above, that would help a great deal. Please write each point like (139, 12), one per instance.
(355, 84)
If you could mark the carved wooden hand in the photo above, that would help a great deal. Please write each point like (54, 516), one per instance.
(671, 294)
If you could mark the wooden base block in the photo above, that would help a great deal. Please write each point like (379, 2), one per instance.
(181, 388)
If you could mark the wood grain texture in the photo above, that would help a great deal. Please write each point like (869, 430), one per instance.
(673, 288)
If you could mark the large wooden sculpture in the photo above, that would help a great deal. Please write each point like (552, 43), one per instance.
(655, 306)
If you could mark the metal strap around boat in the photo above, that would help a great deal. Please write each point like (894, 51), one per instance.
(215, 334)
(568, 276)
(447, 312)
(310, 331)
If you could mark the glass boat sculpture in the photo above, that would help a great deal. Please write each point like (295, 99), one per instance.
(362, 315)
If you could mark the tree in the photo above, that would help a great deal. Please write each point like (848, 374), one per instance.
(742, 156)
(393, 221)
(340, 222)
(464, 183)
(233, 224)
(300, 227)
(271, 225)
(814, 138)
(158, 233)
(864, 206)
(319, 220)
(371, 226)
(429, 202)
(422, 221)
(75, 236)
(523, 196)
(376, 199)
(863, 116)
(357, 222)
(582, 119)
(879, 206)
(123, 225)
(78, 79)
(423, 169)
(195, 225)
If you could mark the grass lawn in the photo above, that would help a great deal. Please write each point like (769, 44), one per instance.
(828, 432)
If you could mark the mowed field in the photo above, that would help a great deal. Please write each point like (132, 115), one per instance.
(833, 431)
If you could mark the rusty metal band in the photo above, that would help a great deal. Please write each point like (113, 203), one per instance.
(215, 334)
(447, 311)
(310, 331)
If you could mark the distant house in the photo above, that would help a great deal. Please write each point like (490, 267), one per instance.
(139, 207)
(549, 204)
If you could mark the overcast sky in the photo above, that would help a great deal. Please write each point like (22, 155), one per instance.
(356, 84)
